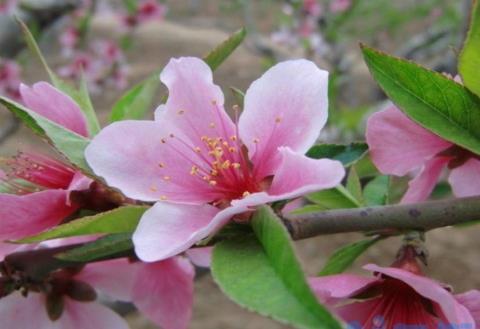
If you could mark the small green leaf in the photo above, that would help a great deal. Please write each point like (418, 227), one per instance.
(70, 144)
(353, 184)
(81, 96)
(469, 60)
(344, 257)
(218, 55)
(335, 198)
(108, 247)
(266, 277)
(375, 192)
(239, 96)
(429, 98)
(119, 220)
(136, 101)
(347, 154)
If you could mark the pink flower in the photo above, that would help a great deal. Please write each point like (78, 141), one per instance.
(202, 169)
(396, 298)
(398, 145)
(7, 6)
(9, 79)
(337, 6)
(312, 8)
(69, 40)
(39, 187)
(147, 11)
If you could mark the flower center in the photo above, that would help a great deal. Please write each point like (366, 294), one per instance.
(27, 173)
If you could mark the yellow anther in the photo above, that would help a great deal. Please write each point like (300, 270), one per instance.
(163, 140)
(212, 182)
(161, 165)
(233, 138)
(256, 140)
(224, 143)
(246, 193)
(212, 125)
(206, 178)
(153, 188)
(278, 119)
(214, 172)
(180, 112)
(204, 138)
(194, 170)
(197, 149)
(167, 178)
(163, 197)
(232, 149)
(226, 164)
(235, 165)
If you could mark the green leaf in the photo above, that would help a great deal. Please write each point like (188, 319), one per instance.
(136, 101)
(347, 154)
(218, 55)
(469, 60)
(375, 192)
(81, 96)
(353, 185)
(70, 144)
(119, 220)
(108, 247)
(335, 198)
(307, 209)
(239, 96)
(266, 277)
(432, 100)
(344, 257)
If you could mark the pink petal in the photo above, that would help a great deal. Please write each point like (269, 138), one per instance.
(287, 106)
(464, 179)
(54, 105)
(164, 292)
(18, 312)
(131, 156)
(333, 287)
(297, 174)
(80, 182)
(455, 313)
(89, 316)
(195, 103)
(420, 188)
(114, 277)
(23, 215)
(471, 300)
(168, 229)
(397, 144)
(201, 257)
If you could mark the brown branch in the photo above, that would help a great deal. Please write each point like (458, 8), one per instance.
(393, 218)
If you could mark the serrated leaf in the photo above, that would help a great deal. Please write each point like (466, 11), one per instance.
(354, 186)
(218, 55)
(81, 96)
(108, 247)
(68, 143)
(469, 60)
(335, 198)
(137, 101)
(119, 220)
(347, 154)
(344, 257)
(266, 277)
(431, 99)
(375, 192)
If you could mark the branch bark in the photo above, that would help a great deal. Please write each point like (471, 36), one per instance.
(393, 218)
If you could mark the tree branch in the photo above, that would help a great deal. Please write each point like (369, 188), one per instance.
(416, 216)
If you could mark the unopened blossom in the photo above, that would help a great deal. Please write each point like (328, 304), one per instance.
(201, 168)
(147, 11)
(9, 79)
(398, 146)
(399, 296)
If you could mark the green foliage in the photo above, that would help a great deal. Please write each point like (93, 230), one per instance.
(136, 101)
(265, 276)
(80, 96)
(434, 101)
(469, 61)
(218, 55)
(70, 144)
(108, 247)
(354, 186)
(344, 257)
(335, 198)
(347, 154)
(119, 220)
(375, 192)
